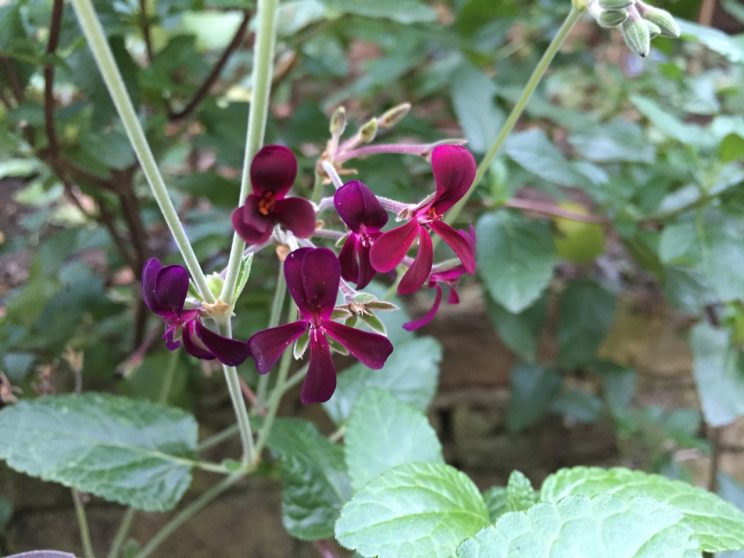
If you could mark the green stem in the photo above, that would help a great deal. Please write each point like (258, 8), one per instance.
(317, 188)
(218, 438)
(263, 68)
(112, 77)
(280, 295)
(190, 511)
(121, 533)
(537, 74)
(170, 373)
(274, 400)
(82, 520)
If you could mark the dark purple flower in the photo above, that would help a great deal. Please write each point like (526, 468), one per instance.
(437, 280)
(313, 276)
(365, 216)
(164, 289)
(454, 171)
(273, 171)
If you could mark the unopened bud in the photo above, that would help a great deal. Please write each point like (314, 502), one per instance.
(653, 29)
(615, 4)
(612, 18)
(391, 117)
(368, 132)
(661, 18)
(637, 35)
(338, 122)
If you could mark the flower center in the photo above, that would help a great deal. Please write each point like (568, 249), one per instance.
(266, 203)
(428, 216)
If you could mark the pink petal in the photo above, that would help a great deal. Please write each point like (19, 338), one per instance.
(228, 351)
(297, 215)
(371, 349)
(320, 382)
(273, 169)
(418, 273)
(192, 344)
(313, 276)
(250, 224)
(453, 297)
(413, 325)
(357, 206)
(458, 242)
(392, 246)
(454, 172)
(268, 345)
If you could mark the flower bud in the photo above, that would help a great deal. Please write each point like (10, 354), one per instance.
(338, 122)
(661, 18)
(637, 35)
(391, 117)
(612, 18)
(653, 29)
(368, 131)
(615, 4)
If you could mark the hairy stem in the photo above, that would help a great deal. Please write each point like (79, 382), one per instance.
(96, 39)
(263, 60)
(280, 295)
(537, 74)
(121, 533)
(82, 520)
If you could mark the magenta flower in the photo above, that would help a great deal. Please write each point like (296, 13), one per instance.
(164, 289)
(273, 171)
(454, 171)
(313, 276)
(365, 216)
(437, 280)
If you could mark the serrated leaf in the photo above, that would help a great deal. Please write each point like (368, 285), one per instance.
(578, 526)
(123, 450)
(520, 495)
(473, 94)
(671, 126)
(533, 390)
(410, 373)
(533, 151)
(516, 258)
(314, 480)
(717, 524)
(495, 498)
(413, 511)
(617, 140)
(383, 433)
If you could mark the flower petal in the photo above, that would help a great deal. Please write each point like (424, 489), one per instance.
(413, 325)
(392, 246)
(250, 224)
(357, 206)
(268, 345)
(313, 276)
(320, 382)
(297, 214)
(458, 242)
(164, 288)
(371, 349)
(453, 297)
(192, 344)
(366, 271)
(347, 257)
(149, 281)
(273, 169)
(231, 352)
(454, 172)
(418, 273)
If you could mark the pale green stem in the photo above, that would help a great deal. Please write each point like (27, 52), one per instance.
(274, 401)
(112, 77)
(280, 295)
(190, 511)
(218, 438)
(263, 69)
(82, 520)
(537, 74)
(121, 533)
(170, 373)
(317, 188)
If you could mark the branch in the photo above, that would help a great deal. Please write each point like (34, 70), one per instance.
(54, 27)
(207, 84)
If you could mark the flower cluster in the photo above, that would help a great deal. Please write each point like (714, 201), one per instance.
(319, 281)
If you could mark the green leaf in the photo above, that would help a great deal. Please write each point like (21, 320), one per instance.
(717, 524)
(413, 511)
(717, 41)
(473, 94)
(617, 140)
(731, 148)
(244, 272)
(516, 258)
(495, 498)
(520, 496)
(533, 151)
(533, 390)
(719, 374)
(671, 126)
(384, 433)
(520, 331)
(586, 311)
(123, 450)
(410, 373)
(602, 527)
(402, 11)
(314, 480)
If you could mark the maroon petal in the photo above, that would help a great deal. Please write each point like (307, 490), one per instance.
(413, 325)
(192, 344)
(320, 382)
(453, 297)
(297, 214)
(268, 345)
(454, 171)
(392, 246)
(347, 257)
(313, 276)
(458, 242)
(357, 206)
(170, 336)
(164, 289)
(418, 273)
(250, 224)
(273, 169)
(149, 281)
(228, 351)
(371, 349)
(366, 271)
